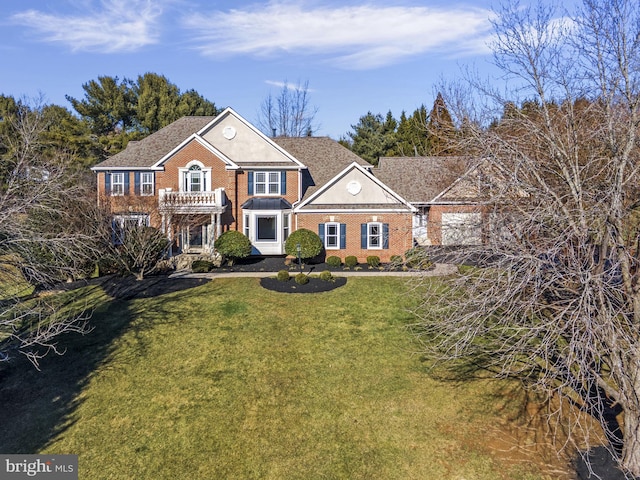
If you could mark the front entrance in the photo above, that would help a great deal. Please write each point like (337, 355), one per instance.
(195, 238)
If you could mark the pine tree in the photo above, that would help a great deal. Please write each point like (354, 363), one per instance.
(440, 130)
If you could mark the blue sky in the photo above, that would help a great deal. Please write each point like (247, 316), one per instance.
(357, 56)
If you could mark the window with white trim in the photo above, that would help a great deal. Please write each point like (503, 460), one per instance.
(332, 236)
(374, 235)
(286, 219)
(247, 226)
(146, 183)
(267, 183)
(122, 223)
(195, 180)
(117, 183)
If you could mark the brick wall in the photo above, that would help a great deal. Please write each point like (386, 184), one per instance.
(434, 226)
(170, 177)
(234, 182)
(400, 232)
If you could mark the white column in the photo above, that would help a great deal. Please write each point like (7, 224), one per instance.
(169, 232)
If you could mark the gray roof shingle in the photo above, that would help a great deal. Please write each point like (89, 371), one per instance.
(323, 157)
(421, 179)
(146, 152)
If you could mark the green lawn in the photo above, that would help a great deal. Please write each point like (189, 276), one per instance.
(231, 381)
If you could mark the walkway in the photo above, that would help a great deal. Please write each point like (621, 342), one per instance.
(440, 269)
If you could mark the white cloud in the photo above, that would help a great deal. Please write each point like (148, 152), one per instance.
(115, 26)
(289, 86)
(356, 37)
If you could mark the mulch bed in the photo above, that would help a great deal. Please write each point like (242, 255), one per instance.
(279, 262)
(314, 285)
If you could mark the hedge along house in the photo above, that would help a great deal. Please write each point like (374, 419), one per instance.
(201, 176)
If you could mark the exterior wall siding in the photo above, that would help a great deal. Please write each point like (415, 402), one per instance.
(434, 225)
(400, 236)
(235, 183)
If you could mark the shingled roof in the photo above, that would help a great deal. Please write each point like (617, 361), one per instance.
(324, 158)
(146, 152)
(420, 180)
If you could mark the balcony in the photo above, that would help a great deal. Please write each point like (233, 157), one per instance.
(192, 202)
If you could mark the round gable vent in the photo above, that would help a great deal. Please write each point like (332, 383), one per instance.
(229, 132)
(354, 187)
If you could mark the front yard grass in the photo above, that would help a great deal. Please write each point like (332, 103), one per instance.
(232, 381)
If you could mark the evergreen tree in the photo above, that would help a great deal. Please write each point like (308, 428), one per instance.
(192, 103)
(108, 105)
(441, 130)
(412, 139)
(160, 102)
(374, 136)
(9, 109)
(156, 102)
(119, 111)
(64, 132)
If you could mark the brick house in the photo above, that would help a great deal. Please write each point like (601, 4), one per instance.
(201, 176)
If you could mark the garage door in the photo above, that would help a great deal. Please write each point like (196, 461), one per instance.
(461, 228)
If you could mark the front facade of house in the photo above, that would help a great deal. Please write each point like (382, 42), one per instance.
(201, 176)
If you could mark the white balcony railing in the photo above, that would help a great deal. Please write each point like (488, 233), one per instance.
(187, 201)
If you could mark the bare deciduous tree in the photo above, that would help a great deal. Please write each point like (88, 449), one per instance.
(138, 249)
(290, 113)
(47, 235)
(556, 301)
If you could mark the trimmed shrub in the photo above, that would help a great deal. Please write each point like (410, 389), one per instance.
(283, 275)
(233, 245)
(301, 279)
(326, 276)
(417, 258)
(351, 261)
(396, 260)
(373, 261)
(201, 266)
(310, 244)
(333, 261)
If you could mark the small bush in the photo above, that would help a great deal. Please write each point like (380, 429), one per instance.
(283, 275)
(310, 244)
(233, 245)
(333, 261)
(396, 260)
(302, 279)
(201, 266)
(351, 261)
(373, 261)
(418, 259)
(326, 276)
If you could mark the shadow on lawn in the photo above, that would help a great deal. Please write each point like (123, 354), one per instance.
(526, 433)
(37, 406)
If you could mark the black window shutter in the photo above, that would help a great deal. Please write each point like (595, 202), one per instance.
(385, 236)
(136, 183)
(126, 183)
(250, 182)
